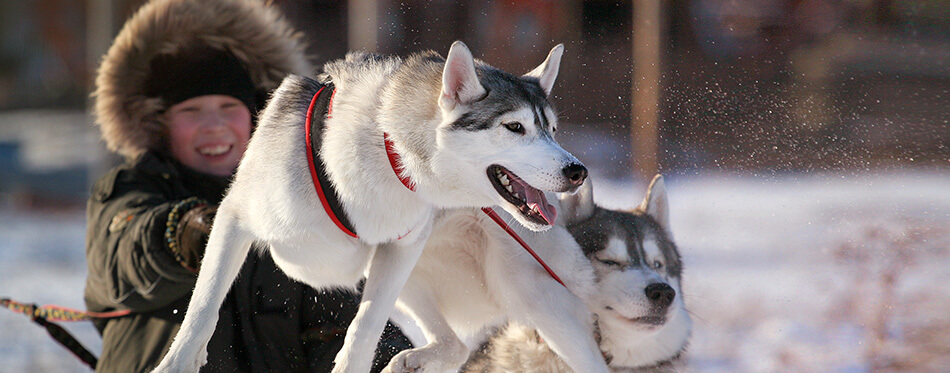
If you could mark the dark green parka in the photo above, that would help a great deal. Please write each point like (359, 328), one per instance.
(267, 322)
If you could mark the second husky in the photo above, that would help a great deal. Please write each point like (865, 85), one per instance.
(622, 276)
(402, 138)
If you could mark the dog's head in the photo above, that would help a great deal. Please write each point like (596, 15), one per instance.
(637, 302)
(496, 138)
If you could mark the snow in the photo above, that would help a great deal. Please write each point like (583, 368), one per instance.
(796, 272)
(42, 261)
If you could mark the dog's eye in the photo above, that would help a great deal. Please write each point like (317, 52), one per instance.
(657, 264)
(515, 127)
(609, 262)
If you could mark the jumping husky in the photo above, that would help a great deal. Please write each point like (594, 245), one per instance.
(401, 138)
(622, 286)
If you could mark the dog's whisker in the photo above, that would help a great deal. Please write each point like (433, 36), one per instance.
(694, 296)
(622, 290)
(697, 316)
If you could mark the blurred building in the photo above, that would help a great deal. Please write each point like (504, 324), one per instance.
(757, 86)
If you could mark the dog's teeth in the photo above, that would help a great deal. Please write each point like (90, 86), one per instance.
(508, 188)
(504, 180)
(516, 195)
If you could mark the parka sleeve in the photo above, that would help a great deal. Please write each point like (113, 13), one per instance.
(130, 265)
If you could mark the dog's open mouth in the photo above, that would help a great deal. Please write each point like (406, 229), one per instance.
(529, 200)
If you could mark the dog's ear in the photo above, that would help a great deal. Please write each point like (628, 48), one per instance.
(577, 206)
(547, 72)
(656, 204)
(460, 83)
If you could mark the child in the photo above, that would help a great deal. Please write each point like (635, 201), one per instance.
(176, 95)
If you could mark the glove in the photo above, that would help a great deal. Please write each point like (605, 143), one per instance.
(188, 235)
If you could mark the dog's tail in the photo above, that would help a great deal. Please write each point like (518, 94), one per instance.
(228, 246)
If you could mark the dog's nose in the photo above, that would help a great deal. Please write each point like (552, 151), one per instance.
(576, 173)
(660, 294)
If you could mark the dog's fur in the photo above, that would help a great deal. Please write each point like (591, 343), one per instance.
(453, 122)
(473, 276)
(478, 277)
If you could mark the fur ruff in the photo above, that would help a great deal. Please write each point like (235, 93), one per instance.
(516, 348)
(256, 34)
(523, 351)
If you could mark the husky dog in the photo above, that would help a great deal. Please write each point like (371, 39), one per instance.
(623, 276)
(641, 319)
(402, 139)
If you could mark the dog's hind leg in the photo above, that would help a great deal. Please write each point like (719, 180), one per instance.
(387, 274)
(227, 248)
(444, 352)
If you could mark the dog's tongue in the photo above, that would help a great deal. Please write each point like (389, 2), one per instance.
(537, 202)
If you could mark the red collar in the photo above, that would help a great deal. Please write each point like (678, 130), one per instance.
(396, 163)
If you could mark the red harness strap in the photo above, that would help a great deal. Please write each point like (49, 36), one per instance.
(394, 162)
(501, 223)
(333, 207)
(312, 163)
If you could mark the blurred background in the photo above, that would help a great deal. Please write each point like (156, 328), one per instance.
(805, 143)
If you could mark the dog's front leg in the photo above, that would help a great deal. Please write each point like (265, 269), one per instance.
(387, 274)
(228, 246)
(563, 321)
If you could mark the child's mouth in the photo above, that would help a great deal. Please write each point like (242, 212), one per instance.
(214, 150)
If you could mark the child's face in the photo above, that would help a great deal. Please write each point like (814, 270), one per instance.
(209, 133)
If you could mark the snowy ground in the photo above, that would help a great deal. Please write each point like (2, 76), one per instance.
(786, 273)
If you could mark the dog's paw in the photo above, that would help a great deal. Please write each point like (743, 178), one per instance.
(433, 357)
(179, 364)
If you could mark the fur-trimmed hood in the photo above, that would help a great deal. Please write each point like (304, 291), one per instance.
(256, 34)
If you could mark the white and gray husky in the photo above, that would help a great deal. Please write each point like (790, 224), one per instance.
(401, 139)
(622, 300)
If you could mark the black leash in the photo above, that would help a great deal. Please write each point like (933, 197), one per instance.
(67, 340)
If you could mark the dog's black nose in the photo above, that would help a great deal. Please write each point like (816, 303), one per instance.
(660, 294)
(576, 173)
